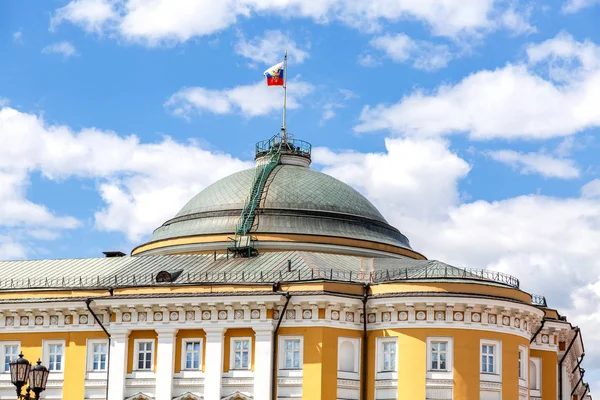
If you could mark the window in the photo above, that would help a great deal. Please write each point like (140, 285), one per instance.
(523, 364)
(53, 356)
(348, 354)
(439, 356)
(241, 351)
(488, 358)
(144, 355)
(491, 360)
(535, 376)
(292, 353)
(97, 355)
(192, 349)
(387, 355)
(10, 351)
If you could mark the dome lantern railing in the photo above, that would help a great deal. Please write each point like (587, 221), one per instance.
(289, 145)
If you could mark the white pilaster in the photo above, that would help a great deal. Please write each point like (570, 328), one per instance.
(263, 361)
(213, 369)
(165, 363)
(117, 362)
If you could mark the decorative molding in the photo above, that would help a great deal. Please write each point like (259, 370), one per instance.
(289, 381)
(237, 382)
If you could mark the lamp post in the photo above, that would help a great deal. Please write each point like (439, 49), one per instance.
(21, 371)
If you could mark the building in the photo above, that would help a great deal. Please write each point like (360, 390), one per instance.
(282, 282)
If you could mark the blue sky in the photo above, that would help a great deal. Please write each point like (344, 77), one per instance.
(472, 126)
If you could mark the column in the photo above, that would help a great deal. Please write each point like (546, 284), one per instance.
(213, 369)
(118, 364)
(165, 362)
(263, 361)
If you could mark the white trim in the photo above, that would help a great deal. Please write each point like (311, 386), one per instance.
(524, 377)
(136, 354)
(2, 354)
(449, 371)
(344, 374)
(232, 342)
(184, 342)
(289, 372)
(46, 356)
(496, 376)
(90, 355)
(380, 372)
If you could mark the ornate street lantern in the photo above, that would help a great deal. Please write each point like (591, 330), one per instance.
(38, 376)
(21, 370)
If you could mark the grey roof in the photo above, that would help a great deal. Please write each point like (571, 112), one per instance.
(296, 200)
(268, 267)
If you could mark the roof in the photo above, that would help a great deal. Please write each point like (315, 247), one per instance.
(268, 267)
(296, 200)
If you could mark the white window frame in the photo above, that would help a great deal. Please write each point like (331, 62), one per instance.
(2, 353)
(136, 355)
(538, 377)
(438, 373)
(46, 355)
(184, 343)
(283, 371)
(496, 376)
(232, 342)
(524, 357)
(90, 355)
(380, 373)
(349, 374)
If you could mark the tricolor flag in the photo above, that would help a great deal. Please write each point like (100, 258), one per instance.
(275, 75)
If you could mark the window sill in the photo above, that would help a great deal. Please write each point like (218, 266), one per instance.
(290, 373)
(93, 375)
(488, 377)
(440, 375)
(141, 375)
(348, 375)
(239, 373)
(56, 376)
(387, 375)
(189, 373)
(534, 392)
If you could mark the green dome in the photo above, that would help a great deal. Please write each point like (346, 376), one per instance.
(296, 200)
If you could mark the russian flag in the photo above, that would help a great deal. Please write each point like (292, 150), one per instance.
(275, 75)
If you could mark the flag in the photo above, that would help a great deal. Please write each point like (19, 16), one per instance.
(275, 75)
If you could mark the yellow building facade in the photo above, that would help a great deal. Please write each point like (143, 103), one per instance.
(281, 282)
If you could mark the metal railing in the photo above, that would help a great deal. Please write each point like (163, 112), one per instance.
(283, 274)
(538, 300)
(290, 146)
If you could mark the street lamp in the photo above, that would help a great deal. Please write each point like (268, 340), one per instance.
(21, 370)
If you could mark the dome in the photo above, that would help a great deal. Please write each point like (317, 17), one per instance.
(300, 209)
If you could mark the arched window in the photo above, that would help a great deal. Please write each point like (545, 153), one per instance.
(533, 376)
(347, 356)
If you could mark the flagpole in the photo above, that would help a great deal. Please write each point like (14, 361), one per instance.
(283, 128)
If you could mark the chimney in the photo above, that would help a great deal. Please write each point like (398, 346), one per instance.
(110, 254)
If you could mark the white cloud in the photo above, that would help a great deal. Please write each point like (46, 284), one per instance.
(64, 48)
(537, 163)
(591, 189)
(413, 177)
(17, 37)
(367, 60)
(572, 6)
(516, 22)
(269, 48)
(4, 102)
(249, 100)
(91, 15)
(402, 48)
(551, 95)
(155, 22)
(141, 184)
(9, 249)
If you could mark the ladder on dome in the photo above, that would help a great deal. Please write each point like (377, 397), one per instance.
(243, 242)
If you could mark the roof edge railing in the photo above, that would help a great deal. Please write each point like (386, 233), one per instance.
(281, 274)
